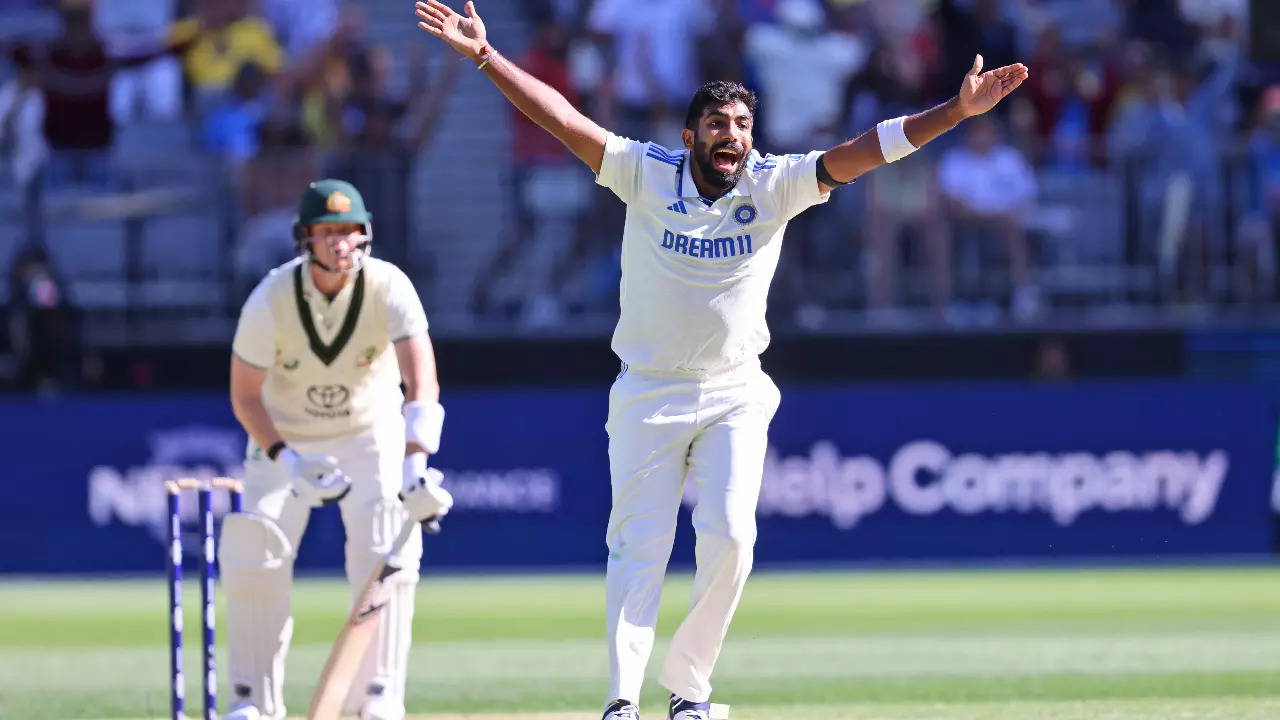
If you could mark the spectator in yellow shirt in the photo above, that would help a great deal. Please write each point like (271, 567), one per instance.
(220, 39)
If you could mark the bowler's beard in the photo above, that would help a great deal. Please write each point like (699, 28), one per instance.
(720, 180)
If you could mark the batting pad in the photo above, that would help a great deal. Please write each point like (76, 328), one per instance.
(369, 536)
(257, 569)
(383, 668)
(253, 541)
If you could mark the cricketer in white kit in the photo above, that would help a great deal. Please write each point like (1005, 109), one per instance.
(321, 349)
(704, 226)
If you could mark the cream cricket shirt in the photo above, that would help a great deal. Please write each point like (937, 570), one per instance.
(331, 365)
(696, 273)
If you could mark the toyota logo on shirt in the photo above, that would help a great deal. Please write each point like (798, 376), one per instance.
(328, 396)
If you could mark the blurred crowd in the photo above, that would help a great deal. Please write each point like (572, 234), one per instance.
(279, 91)
(1171, 99)
(268, 96)
(1163, 112)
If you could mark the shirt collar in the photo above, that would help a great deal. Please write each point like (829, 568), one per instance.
(317, 299)
(687, 188)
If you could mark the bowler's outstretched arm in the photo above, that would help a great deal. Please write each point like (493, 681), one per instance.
(894, 139)
(539, 101)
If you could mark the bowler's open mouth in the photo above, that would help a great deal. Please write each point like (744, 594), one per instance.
(726, 159)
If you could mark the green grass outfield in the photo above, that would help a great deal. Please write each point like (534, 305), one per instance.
(1164, 643)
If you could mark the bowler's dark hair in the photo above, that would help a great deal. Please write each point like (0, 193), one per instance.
(715, 94)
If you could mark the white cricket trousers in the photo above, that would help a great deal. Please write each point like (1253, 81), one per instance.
(665, 430)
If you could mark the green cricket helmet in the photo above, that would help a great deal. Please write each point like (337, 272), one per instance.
(326, 201)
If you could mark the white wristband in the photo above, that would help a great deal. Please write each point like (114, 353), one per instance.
(415, 465)
(894, 144)
(423, 422)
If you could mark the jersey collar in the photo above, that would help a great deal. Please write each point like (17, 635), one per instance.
(687, 188)
(302, 285)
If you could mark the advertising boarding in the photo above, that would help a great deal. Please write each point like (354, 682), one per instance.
(1144, 471)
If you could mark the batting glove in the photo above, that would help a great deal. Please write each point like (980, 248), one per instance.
(423, 497)
(317, 479)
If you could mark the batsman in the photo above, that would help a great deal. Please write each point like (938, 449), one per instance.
(321, 349)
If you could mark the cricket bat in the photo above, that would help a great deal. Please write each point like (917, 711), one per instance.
(358, 632)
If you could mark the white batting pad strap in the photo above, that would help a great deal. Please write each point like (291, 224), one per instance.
(423, 422)
(894, 144)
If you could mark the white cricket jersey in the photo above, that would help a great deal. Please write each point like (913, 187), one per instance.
(331, 365)
(696, 273)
